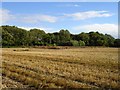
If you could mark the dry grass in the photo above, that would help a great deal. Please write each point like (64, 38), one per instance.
(61, 68)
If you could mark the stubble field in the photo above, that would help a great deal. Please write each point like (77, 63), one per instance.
(90, 67)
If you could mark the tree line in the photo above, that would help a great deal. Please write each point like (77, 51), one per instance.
(14, 36)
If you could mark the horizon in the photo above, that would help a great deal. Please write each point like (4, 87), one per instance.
(76, 17)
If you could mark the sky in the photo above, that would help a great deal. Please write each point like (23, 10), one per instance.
(60, 0)
(77, 17)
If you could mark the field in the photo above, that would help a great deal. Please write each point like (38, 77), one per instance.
(89, 67)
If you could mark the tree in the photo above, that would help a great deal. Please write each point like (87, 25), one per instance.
(93, 38)
(52, 38)
(7, 39)
(117, 43)
(14, 36)
(46, 39)
(110, 40)
(36, 36)
(84, 37)
(64, 35)
(74, 37)
(56, 38)
(97, 39)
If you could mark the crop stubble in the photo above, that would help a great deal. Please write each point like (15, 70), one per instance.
(60, 68)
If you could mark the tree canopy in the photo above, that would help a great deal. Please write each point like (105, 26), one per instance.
(14, 36)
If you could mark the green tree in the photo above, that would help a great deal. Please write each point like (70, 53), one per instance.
(36, 36)
(84, 37)
(52, 38)
(64, 35)
(7, 39)
(56, 38)
(117, 43)
(81, 43)
(17, 34)
(110, 40)
(47, 39)
(97, 39)
(14, 36)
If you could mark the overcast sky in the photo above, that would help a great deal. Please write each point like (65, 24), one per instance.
(77, 17)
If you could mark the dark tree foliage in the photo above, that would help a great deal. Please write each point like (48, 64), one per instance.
(110, 40)
(84, 37)
(36, 37)
(117, 43)
(14, 36)
(64, 35)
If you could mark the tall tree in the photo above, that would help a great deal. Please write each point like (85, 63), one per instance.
(110, 40)
(36, 36)
(64, 35)
(7, 39)
(117, 43)
(84, 37)
(18, 34)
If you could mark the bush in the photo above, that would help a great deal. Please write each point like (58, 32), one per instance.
(74, 43)
(68, 43)
(81, 43)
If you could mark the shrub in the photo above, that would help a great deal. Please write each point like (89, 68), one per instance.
(74, 43)
(81, 43)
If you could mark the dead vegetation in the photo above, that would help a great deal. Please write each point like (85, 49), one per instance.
(21, 50)
(64, 68)
(51, 47)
